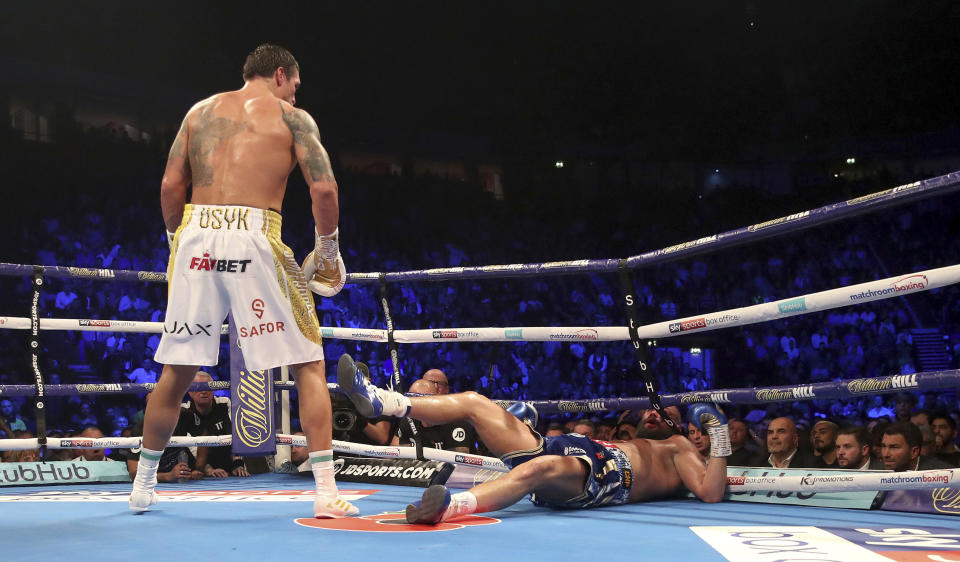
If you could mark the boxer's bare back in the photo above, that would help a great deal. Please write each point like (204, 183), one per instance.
(239, 147)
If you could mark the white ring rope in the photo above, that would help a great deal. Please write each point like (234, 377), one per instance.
(846, 481)
(813, 302)
(841, 481)
(377, 451)
(90, 325)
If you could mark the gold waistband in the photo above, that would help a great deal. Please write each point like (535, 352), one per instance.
(233, 218)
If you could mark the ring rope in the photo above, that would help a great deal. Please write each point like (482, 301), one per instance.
(839, 389)
(840, 482)
(847, 481)
(813, 302)
(940, 185)
(377, 451)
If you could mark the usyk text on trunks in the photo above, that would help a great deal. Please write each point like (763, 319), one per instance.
(233, 218)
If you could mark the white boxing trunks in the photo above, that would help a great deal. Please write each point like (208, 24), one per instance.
(229, 258)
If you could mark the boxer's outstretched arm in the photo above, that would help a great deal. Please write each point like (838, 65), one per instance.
(315, 165)
(707, 482)
(176, 178)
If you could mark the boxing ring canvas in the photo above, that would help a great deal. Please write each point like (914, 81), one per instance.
(267, 517)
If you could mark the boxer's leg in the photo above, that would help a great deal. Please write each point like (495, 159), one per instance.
(163, 407)
(159, 421)
(499, 430)
(316, 416)
(316, 419)
(553, 478)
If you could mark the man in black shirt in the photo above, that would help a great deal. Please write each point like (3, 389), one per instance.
(823, 438)
(945, 429)
(206, 416)
(456, 436)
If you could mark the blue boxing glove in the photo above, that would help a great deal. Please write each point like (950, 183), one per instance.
(525, 413)
(710, 418)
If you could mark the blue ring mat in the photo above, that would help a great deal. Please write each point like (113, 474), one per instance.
(254, 528)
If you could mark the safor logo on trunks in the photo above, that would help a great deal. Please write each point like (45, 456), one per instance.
(257, 306)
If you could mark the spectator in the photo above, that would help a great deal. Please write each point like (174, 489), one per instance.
(945, 428)
(145, 373)
(10, 417)
(880, 408)
(823, 438)
(604, 430)
(456, 436)
(553, 430)
(853, 450)
(439, 379)
(738, 444)
(700, 440)
(299, 455)
(782, 446)
(905, 403)
(901, 449)
(207, 415)
(23, 455)
(928, 441)
(90, 455)
(85, 417)
(585, 427)
(920, 417)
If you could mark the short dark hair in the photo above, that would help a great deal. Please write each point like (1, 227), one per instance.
(944, 416)
(922, 411)
(266, 59)
(859, 433)
(910, 432)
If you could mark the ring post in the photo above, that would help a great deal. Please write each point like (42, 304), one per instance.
(640, 347)
(40, 411)
(396, 382)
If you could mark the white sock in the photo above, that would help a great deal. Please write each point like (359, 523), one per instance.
(321, 463)
(395, 404)
(147, 468)
(463, 503)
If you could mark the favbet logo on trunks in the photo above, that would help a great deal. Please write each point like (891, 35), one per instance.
(206, 263)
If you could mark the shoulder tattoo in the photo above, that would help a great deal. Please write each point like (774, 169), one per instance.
(307, 135)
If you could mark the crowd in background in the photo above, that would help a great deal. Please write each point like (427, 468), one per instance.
(391, 223)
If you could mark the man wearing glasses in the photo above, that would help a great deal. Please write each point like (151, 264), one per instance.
(439, 379)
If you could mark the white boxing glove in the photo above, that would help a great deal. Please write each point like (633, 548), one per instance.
(323, 268)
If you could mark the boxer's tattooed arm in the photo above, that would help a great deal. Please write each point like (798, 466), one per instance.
(306, 135)
(207, 135)
(177, 162)
(177, 148)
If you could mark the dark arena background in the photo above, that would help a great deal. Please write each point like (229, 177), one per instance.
(734, 168)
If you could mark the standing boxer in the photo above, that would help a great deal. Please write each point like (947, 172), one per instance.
(237, 150)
